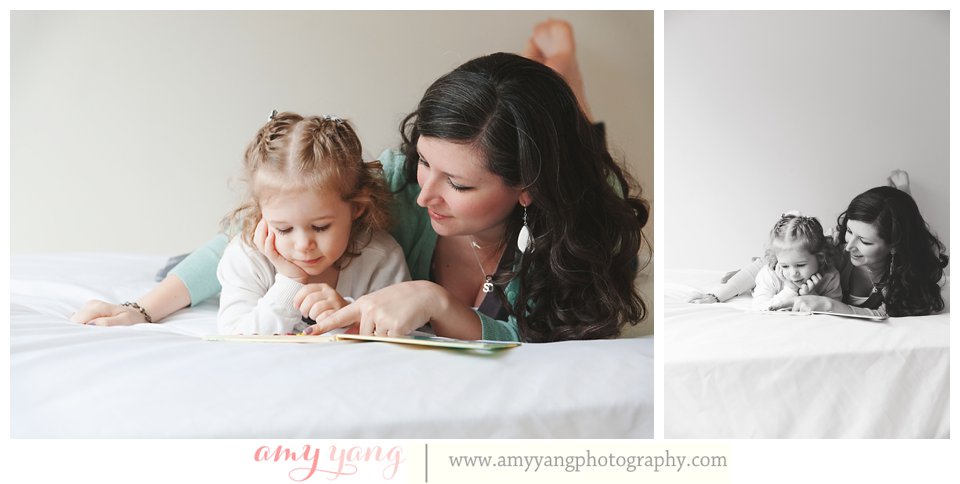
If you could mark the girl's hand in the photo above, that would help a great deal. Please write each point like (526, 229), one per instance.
(811, 285)
(266, 242)
(396, 310)
(101, 313)
(317, 301)
(788, 284)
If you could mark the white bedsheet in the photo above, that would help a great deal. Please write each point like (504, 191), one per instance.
(162, 380)
(729, 372)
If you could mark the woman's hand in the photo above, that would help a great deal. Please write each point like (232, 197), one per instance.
(813, 303)
(317, 301)
(266, 242)
(399, 309)
(396, 310)
(102, 313)
(703, 299)
(782, 301)
(161, 301)
(811, 285)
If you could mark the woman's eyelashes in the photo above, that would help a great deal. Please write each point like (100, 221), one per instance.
(862, 241)
(459, 188)
(455, 186)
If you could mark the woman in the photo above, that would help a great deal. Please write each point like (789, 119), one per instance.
(497, 148)
(890, 263)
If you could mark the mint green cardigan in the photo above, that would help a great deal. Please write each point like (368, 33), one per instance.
(411, 228)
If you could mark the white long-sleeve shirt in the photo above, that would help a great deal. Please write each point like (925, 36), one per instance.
(255, 299)
(771, 289)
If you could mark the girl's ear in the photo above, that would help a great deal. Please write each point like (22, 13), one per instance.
(525, 198)
(358, 210)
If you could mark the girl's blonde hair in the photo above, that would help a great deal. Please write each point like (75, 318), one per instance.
(293, 152)
(805, 231)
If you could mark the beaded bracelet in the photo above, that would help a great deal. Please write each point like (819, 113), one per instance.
(138, 308)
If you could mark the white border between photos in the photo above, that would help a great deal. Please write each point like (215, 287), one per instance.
(5, 227)
(760, 461)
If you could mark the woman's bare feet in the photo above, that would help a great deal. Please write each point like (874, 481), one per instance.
(552, 44)
(900, 180)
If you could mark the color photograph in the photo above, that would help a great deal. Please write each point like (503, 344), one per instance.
(196, 196)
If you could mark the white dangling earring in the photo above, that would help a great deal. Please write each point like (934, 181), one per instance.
(524, 239)
(892, 256)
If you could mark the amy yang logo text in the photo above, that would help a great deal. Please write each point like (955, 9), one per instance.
(334, 462)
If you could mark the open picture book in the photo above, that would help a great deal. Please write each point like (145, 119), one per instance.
(870, 317)
(417, 338)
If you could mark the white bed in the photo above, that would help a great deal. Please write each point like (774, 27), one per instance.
(163, 380)
(730, 372)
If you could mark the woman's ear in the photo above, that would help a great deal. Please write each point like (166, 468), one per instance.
(525, 198)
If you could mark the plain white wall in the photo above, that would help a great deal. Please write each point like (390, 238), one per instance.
(127, 126)
(771, 111)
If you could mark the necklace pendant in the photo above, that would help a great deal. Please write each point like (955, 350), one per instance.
(488, 285)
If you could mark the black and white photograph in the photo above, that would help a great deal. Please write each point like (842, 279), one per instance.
(807, 206)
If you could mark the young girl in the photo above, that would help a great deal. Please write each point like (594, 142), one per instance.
(311, 230)
(797, 263)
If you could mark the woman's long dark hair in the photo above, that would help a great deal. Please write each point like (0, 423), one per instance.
(918, 257)
(586, 215)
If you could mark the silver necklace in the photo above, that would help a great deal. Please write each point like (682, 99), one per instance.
(487, 278)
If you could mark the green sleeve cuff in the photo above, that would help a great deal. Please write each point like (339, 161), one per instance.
(199, 270)
(497, 330)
